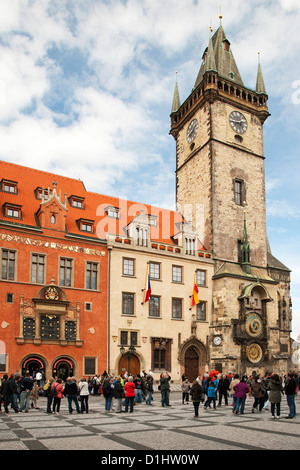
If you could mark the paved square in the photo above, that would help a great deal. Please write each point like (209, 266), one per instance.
(149, 428)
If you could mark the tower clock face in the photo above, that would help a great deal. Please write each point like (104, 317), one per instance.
(192, 131)
(238, 122)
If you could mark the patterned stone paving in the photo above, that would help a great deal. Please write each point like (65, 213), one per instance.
(149, 428)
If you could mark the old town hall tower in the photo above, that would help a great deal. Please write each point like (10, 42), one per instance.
(220, 188)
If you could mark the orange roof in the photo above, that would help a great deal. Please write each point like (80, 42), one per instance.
(29, 179)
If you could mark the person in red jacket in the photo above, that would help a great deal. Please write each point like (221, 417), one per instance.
(129, 394)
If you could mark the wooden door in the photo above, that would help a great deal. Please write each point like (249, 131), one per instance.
(191, 363)
(131, 364)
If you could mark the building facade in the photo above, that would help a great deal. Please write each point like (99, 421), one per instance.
(53, 276)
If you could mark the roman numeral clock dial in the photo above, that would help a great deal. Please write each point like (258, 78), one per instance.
(238, 122)
(192, 131)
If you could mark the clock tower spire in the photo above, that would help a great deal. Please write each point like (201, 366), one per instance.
(220, 156)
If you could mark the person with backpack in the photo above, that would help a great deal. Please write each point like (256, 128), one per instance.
(57, 392)
(48, 394)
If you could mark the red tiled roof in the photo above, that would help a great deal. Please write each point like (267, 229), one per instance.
(30, 179)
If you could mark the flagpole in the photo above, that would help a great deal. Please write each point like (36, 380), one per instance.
(145, 285)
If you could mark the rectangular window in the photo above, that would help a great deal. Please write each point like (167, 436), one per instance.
(201, 311)
(86, 228)
(154, 306)
(3, 365)
(70, 330)
(127, 303)
(11, 212)
(65, 272)
(10, 298)
(129, 338)
(89, 366)
(128, 267)
(238, 192)
(38, 268)
(176, 308)
(154, 271)
(177, 273)
(92, 276)
(8, 187)
(8, 265)
(50, 326)
(28, 327)
(159, 359)
(201, 278)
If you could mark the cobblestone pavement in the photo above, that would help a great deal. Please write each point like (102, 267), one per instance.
(149, 428)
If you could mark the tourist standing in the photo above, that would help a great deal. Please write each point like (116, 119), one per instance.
(290, 391)
(149, 389)
(84, 392)
(185, 388)
(211, 396)
(165, 389)
(223, 389)
(196, 393)
(258, 392)
(129, 394)
(8, 393)
(276, 390)
(118, 395)
(108, 393)
(241, 389)
(48, 394)
(57, 391)
(26, 387)
(71, 390)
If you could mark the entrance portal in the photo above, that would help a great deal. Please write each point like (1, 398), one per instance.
(33, 364)
(191, 364)
(63, 368)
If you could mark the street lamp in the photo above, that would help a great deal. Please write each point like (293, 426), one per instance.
(130, 353)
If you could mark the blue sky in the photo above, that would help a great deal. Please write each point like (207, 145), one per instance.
(86, 89)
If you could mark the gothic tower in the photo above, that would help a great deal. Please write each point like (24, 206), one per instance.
(220, 155)
(220, 189)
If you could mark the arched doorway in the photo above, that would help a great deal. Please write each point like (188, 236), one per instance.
(63, 368)
(191, 363)
(192, 356)
(129, 363)
(33, 364)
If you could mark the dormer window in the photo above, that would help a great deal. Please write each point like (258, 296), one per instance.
(153, 221)
(76, 201)
(9, 186)
(39, 192)
(226, 45)
(12, 210)
(113, 212)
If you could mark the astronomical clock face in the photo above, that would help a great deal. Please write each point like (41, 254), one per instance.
(254, 353)
(253, 325)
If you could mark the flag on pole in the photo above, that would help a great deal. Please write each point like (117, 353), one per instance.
(147, 289)
(195, 299)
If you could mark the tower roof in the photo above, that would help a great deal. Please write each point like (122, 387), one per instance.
(176, 99)
(260, 84)
(218, 56)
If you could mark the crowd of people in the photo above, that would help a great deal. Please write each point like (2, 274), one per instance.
(266, 391)
(124, 392)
